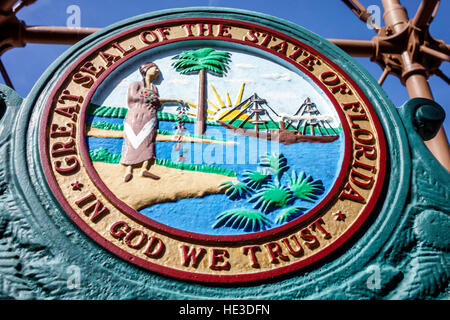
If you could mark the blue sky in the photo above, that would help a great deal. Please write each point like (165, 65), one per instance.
(330, 19)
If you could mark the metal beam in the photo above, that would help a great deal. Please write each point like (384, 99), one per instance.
(365, 48)
(424, 13)
(65, 35)
(414, 74)
(55, 34)
(7, 5)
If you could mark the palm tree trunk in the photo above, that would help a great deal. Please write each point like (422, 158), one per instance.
(200, 126)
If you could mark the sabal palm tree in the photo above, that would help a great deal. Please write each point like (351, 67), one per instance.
(200, 61)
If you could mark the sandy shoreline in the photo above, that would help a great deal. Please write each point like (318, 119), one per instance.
(102, 133)
(174, 184)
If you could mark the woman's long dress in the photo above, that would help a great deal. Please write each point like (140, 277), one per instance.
(141, 124)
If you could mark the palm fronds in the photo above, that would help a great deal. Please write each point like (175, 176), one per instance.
(277, 162)
(289, 214)
(246, 219)
(255, 179)
(270, 196)
(305, 187)
(235, 190)
(202, 59)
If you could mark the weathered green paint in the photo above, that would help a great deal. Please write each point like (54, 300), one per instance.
(405, 242)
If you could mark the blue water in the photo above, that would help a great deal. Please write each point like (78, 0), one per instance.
(320, 160)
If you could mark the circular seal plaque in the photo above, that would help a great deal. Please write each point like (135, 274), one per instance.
(212, 149)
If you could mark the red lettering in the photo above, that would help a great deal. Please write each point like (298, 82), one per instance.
(89, 198)
(341, 88)
(70, 112)
(366, 166)
(275, 251)
(97, 208)
(135, 234)
(85, 80)
(119, 229)
(363, 132)
(89, 67)
(144, 36)
(356, 117)
(71, 162)
(67, 96)
(310, 239)
(355, 106)
(351, 194)
(365, 181)
(205, 27)
(368, 151)
(218, 256)
(266, 40)
(224, 31)
(280, 48)
(192, 254)
(122, 50)
(318, 224)
(329, 78)
(153, 251)
(295, 253)
(62, 131)
(188, 28)
(251, 36)
(309, 62)
(164, 32)
(109, 58)
(252, 250)
(59, 149)
(297, 52)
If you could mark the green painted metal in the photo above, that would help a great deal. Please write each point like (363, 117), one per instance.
(401, 252)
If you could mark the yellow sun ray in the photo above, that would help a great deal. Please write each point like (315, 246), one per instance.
(222, 105)
(214, 108)
(191, 104)
(239, 97)
(228, 100)
(213, 105)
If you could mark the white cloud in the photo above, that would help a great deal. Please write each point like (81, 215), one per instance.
(277, 76)
(238, 81)
(245, 66)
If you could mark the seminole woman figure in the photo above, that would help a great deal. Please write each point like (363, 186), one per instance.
(141, 123)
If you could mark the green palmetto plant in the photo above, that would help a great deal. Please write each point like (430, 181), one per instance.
(255, 179)
(277, 162)
(235, 190)
(246, 219)
(200, 61)
(270, 196)
(289, 214)
(305, 187)
(268, 192)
